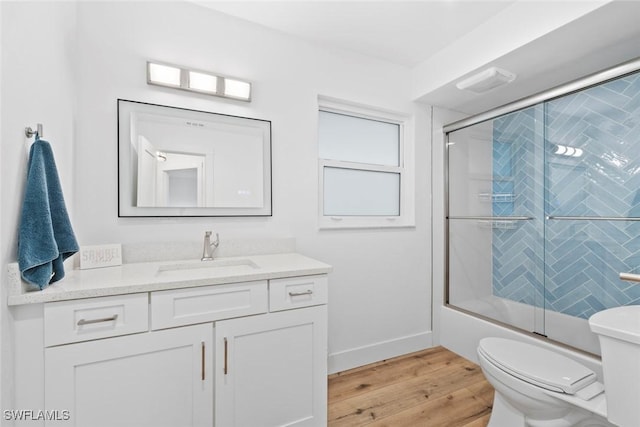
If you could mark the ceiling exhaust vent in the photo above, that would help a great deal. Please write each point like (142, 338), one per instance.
(486, 80)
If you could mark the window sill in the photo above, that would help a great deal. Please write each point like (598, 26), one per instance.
(353, 222)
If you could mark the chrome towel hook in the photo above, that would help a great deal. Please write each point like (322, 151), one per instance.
(31, 133)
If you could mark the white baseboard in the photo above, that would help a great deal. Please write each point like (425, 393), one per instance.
(359, 356)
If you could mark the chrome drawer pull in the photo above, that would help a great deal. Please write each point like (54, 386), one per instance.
(104, 319)
(299, 294)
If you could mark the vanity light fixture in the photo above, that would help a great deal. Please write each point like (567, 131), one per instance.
(486, 80)
(179, 77)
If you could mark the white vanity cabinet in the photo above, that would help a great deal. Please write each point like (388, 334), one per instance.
(105, 368)
(153, 379)
(237, 354)
(271, 369)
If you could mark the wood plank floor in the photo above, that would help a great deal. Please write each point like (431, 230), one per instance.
(430, 388)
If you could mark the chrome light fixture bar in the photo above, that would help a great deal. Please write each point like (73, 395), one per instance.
(178, 77)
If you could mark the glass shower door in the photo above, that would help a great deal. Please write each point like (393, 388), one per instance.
(592, 198)
(496, 219)
(544, 212)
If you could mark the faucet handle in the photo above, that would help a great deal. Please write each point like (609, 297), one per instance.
(216, 242)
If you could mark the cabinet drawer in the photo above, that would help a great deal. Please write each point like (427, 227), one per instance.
(93, 318)
(178, 307)
(294, 292)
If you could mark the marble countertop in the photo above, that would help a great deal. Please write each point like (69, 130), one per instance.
(155, 276)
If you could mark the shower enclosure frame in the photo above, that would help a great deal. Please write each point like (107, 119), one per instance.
(598, 78)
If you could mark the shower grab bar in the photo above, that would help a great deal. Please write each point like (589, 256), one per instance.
(593, 218)
(630, 277)
(494, 218)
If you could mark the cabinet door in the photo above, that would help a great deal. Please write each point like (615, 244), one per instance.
(271, 370)
(152, 379)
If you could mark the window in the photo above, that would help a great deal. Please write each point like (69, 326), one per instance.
(364, 178)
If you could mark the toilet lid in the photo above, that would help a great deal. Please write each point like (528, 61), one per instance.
(536, 365)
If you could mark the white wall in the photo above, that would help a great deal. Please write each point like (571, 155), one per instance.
(380, 289)
(4, 366)
(440, 117)
(506, 40)
(37, 87)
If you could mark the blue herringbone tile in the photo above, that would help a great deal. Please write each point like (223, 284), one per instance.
(583, 257)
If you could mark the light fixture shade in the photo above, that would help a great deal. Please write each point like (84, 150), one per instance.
(237, 89)
(205, 82)
(164, 75)
(486, 80)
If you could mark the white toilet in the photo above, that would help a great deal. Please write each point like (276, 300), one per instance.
(618, 330)
(540, 388)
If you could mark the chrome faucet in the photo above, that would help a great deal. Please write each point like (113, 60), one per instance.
(209, 246)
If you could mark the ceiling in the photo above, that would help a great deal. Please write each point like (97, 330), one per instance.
(408, 33)
(402, 32)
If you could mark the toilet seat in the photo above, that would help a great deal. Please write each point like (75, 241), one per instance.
(537, 366)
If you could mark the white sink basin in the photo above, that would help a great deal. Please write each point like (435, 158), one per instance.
(216, 267)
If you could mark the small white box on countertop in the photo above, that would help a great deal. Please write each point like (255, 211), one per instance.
(97, 256)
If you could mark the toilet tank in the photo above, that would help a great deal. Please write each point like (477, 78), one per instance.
(618, 330)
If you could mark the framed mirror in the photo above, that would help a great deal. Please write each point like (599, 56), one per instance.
(180, 162)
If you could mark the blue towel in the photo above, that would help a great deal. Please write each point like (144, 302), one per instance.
(45, 237)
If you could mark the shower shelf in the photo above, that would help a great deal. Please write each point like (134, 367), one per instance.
(491, 178)
(498, 224)
(497, 197)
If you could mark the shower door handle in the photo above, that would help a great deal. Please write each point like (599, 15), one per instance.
(494, 218)
(630, 277)
(592, 218)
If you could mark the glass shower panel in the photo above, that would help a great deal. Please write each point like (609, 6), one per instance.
(593, 145)
(544, 212)
(583, 260)
(593, 203)
(495, 219)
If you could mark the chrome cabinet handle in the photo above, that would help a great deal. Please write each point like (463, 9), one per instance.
(104, 319)
(203, 359)
(299, 294)
(226, 354)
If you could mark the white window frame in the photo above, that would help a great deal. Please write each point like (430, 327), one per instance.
(405, 168)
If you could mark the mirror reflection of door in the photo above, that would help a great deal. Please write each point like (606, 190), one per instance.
(169, 179)
(147, 171)
(180, 180)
